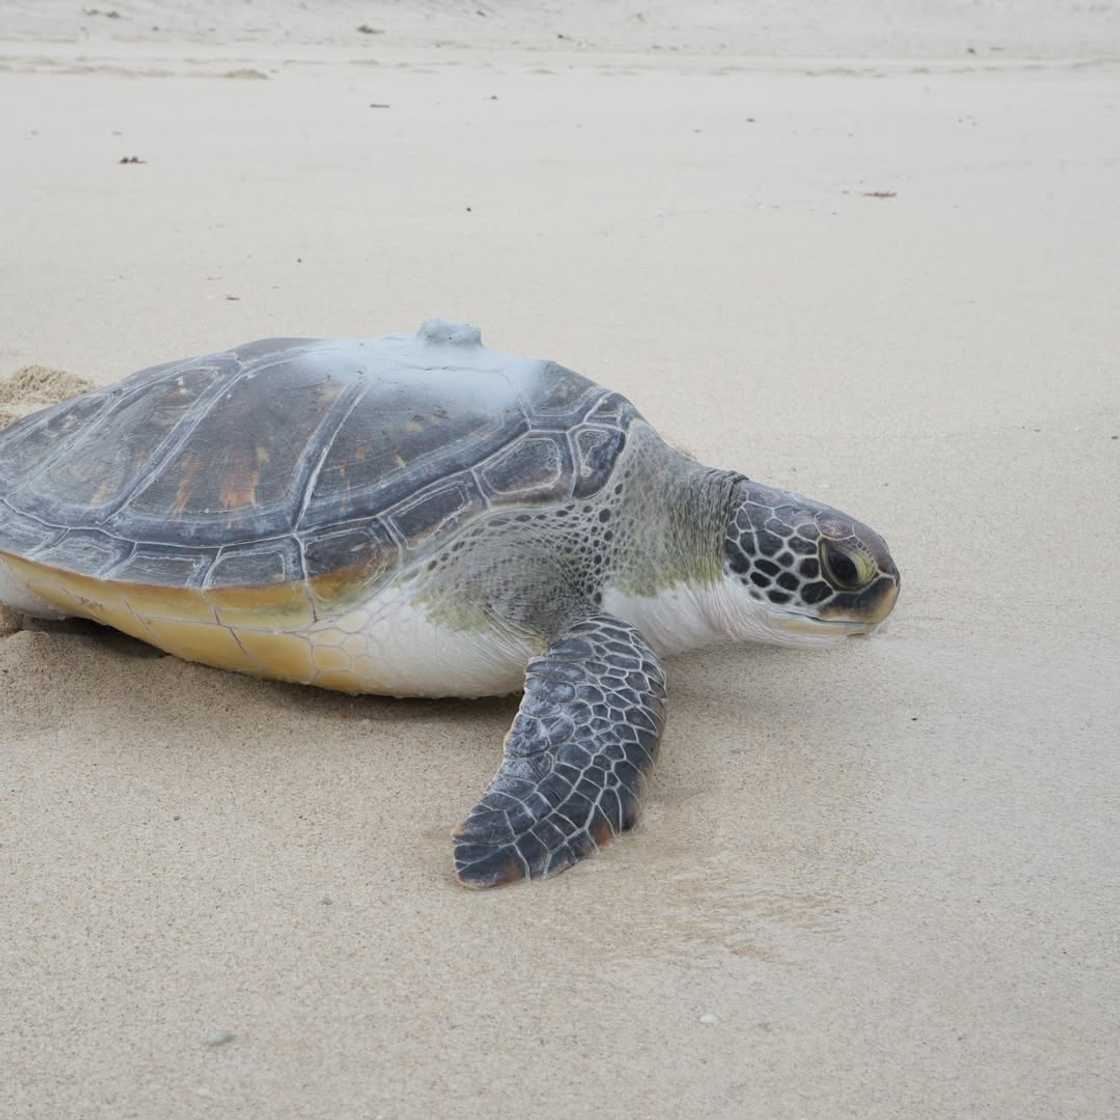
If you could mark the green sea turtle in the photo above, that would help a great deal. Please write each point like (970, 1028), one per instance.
(422, 516)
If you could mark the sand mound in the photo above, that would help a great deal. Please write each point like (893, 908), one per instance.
(35, 387)
(25, 392)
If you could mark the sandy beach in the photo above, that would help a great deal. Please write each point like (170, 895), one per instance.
(872, 258)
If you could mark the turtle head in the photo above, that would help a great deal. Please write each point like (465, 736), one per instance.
(796, 572)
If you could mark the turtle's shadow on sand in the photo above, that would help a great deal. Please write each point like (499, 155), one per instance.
(105, 636)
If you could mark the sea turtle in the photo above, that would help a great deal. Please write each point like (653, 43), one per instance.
(422, 516)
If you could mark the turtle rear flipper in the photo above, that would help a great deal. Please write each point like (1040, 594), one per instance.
(586, 733)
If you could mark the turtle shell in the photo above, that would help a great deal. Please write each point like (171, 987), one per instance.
(330, 461)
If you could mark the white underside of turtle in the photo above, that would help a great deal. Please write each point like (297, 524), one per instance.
(388, 646)
(420, 516)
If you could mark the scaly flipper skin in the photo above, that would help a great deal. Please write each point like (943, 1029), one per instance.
(586, 733)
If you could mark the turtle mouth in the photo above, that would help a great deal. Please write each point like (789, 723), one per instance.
(796, 624)
(860, 616)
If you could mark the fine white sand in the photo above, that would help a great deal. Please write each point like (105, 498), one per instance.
(875, 882)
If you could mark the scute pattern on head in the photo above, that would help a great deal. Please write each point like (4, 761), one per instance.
(778, 545)
(771, 546)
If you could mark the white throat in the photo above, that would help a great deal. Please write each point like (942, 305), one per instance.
(674, 620)
(689, 616)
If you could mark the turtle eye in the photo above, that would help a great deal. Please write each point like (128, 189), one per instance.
(847, 571)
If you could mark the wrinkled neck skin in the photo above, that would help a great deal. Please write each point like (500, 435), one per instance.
(669, 581)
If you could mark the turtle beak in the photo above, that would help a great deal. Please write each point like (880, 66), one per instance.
(867, 609)
(879, 599)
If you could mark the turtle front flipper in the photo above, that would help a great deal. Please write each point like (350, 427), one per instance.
(586, 733)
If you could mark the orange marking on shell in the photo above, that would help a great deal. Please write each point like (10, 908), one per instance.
(192, 466)
(239, 487)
